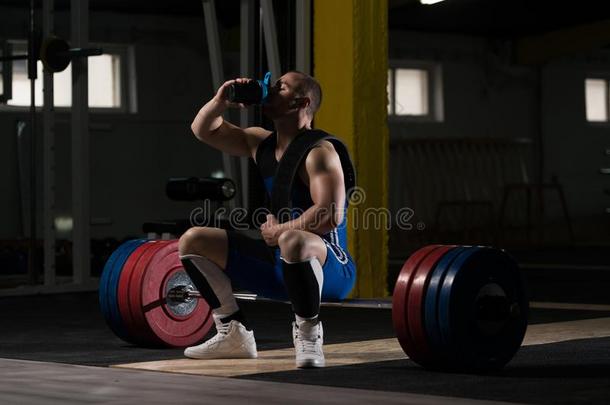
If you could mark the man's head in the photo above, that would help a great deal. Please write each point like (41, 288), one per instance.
(293, 93)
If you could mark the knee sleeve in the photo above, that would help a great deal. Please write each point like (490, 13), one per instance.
(304, 282)
(213, 284)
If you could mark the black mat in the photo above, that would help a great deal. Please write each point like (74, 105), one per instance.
(69, 328)
(575, 372)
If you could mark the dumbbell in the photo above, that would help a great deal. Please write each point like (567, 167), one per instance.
(56, 54)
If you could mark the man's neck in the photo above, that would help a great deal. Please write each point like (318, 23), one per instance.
(287, 131)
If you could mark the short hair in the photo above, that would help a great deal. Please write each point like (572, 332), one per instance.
(309, 87)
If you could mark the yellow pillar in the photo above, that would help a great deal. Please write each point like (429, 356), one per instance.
(351, 63)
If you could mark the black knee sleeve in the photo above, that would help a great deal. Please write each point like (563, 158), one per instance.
(303, 281)
(212, 282)
(201, 283)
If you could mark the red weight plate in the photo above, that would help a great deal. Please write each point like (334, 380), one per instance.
(177, 325)
(135, 286)
(400, 316)
(415, 304)
(140, 335)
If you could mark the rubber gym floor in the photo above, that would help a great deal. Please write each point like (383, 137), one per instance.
(58, 349)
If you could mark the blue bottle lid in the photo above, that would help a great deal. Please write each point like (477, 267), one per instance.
(265, 84)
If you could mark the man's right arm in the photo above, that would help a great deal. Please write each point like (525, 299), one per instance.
(209, 126)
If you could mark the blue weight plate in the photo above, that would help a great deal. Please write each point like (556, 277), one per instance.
(431, 300)
(113, 287)
(105, 278)
(444, 296)
(103, 286)
(482, 310)
(113, 318)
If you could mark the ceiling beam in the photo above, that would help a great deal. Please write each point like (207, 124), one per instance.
(539, 49)
(399, 3)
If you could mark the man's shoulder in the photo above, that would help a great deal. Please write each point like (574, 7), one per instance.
(326, 144)
(322, 153)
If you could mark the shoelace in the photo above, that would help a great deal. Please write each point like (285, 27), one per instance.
(307, 345)
(222, 330)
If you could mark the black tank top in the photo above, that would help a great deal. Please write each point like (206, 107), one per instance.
(267, 165)
(301, 197)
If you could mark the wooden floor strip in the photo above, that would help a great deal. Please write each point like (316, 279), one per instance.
(341, 354)
(367, 351)
(39, 383)
(565, 305)
(570, 330)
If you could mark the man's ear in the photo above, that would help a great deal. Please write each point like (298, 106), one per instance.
(295, 103)
(301, 102)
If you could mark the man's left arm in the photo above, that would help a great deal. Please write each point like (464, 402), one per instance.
(327, 189)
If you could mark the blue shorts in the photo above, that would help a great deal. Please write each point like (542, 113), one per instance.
(256, 267)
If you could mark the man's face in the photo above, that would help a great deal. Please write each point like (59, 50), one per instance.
(283, 98)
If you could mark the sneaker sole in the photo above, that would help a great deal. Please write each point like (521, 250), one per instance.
(220, 356)
(311, 364)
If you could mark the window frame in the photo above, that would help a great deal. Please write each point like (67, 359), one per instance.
(597, 75)
(126, 76)
(435, 90)
(7, 70)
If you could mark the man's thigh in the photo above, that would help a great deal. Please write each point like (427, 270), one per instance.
(256, 267)
(252, 265)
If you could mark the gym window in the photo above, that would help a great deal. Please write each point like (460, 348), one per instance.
(108, 89)
(415, 91)
(596, 99)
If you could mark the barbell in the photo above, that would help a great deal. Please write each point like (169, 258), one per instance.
(56, 54)
(457, 308)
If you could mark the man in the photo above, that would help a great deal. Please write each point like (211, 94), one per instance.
(304, 259)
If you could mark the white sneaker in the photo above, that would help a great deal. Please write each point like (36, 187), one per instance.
(233, 341)
(308, 339)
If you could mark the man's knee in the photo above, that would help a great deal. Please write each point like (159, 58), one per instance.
(194, 240)
(187, 241)
(296, 246)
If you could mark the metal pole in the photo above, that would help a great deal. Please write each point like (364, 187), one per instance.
(211, 31)
(270, 33)
(211, 28)
(7, 73)
(32, 73)
(540, 155)
(48, 157)
(303, 36)
(247, 64)
(80, 146)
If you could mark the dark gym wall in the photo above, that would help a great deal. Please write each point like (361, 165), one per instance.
(574, 148)
(485, 95)
(480, 90)
(132, 155)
